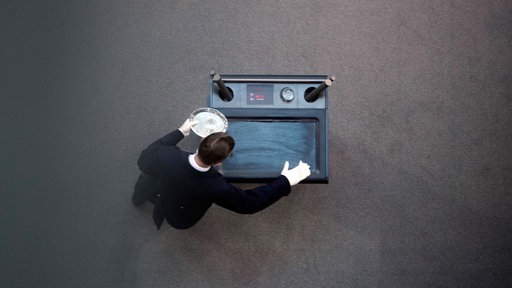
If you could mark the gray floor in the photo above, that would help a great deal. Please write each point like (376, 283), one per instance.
(420, 143)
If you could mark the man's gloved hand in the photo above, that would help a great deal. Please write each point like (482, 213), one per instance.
(185, 127)
(297, 174)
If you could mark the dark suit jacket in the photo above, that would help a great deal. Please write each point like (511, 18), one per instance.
(185, 194)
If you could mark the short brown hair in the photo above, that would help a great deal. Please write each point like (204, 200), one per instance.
(215, 148)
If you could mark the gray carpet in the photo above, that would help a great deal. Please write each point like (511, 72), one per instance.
(420, 121)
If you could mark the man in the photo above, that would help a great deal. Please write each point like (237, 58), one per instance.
(182, 186)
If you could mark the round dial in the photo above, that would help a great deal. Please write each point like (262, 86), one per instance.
(287, 94)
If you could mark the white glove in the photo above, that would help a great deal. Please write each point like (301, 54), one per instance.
(185, 127)
(297, 174)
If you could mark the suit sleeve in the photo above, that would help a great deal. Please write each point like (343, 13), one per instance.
(252, 200)
(149, 159)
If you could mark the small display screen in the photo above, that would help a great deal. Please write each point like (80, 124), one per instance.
(260, 94)
(263, 146)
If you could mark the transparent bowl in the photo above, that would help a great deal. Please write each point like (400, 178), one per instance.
(209, 121)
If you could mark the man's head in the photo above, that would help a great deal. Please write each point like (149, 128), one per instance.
(215, 147)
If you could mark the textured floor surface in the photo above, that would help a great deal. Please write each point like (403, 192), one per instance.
(420, 139)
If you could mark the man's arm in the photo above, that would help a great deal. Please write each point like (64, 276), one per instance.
(254, 200)
(148, 159)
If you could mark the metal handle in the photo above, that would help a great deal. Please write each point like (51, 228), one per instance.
(313, 95)
(223, 90)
